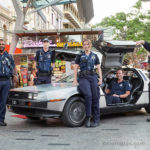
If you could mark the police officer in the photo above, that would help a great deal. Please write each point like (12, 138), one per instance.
(7, 70)
(45, 61)
(147, 47)
(117, 88)
(88, 82)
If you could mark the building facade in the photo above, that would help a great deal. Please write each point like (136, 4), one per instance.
(52, 18)
(71, 17)
(6, 24)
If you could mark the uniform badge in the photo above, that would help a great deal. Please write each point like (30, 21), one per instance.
(121, 85)
(93, 57)
(49, 56)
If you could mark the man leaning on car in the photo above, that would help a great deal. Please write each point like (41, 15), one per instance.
(147, 47)
(117, 88)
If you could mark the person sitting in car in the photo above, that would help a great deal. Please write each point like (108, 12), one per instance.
(117, 89)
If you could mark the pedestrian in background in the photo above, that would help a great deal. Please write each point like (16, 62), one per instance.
(7, 71)
(89, 82)
(44, 58)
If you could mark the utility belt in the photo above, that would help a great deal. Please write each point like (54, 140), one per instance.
(44, 74)
(4, 78)
(86, 72)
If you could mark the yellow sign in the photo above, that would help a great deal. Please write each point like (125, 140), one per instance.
(70, 44)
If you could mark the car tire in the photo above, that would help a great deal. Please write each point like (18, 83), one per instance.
(147, 108)
(33, 118)
(74, 112)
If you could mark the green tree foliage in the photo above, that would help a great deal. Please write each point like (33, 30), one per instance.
(134, 25)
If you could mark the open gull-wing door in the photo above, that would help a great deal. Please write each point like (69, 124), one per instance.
(113, 52)
(66, 55)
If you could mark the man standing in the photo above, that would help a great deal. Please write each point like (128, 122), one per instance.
(7, 70)
(147, 47)
(45, 61)
(88, 82)
(117, 88)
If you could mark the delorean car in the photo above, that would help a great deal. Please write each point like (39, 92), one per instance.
(63, 100)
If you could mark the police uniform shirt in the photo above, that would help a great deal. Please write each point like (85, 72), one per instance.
(52, 56)
(118, 88)
(11, 61)
(78, 58)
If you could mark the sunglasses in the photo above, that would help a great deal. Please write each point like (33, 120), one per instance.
(2, 44)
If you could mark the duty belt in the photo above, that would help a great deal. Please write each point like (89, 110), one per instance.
(4, 78)
(86, 72)
(44, 74)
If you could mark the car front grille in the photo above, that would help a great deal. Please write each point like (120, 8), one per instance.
(18, 95)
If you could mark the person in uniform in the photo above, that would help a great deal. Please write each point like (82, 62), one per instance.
(45, 62)
(147, 47)
(117, 88)
(7, 71)
(89, 82)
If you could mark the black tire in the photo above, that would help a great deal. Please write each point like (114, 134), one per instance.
(147, 108)
(74, 112)
(33, 118)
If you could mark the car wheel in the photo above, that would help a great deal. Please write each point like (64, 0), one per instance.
(74, 112)
(147, 108)
(33, 118)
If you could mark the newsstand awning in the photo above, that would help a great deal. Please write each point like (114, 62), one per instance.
(25, 33)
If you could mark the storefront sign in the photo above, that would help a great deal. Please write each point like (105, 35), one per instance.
(30, 43)
(70, 44)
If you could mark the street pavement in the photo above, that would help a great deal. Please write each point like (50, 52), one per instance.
(127, 131)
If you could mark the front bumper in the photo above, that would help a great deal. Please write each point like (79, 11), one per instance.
(33, 112)
(31, 108)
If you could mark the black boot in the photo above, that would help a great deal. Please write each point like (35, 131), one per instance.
(94, 124)
(88, 122)
(2, 123)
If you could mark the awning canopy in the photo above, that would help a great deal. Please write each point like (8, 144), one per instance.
(40, 3)
(85, 7)
(26, 33)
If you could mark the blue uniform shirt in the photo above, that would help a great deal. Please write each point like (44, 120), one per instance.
(7, 65)
(87, 62)
(118, 88)
(44, 60)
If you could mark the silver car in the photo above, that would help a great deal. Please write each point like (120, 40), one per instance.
(65, 101)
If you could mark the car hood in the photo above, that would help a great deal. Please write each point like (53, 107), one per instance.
(44, 87)
(47, 91)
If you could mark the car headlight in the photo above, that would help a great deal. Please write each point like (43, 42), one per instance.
(29, 95)
(35, 95)
(32, 95)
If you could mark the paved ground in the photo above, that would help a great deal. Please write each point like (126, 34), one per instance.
(128, 131)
